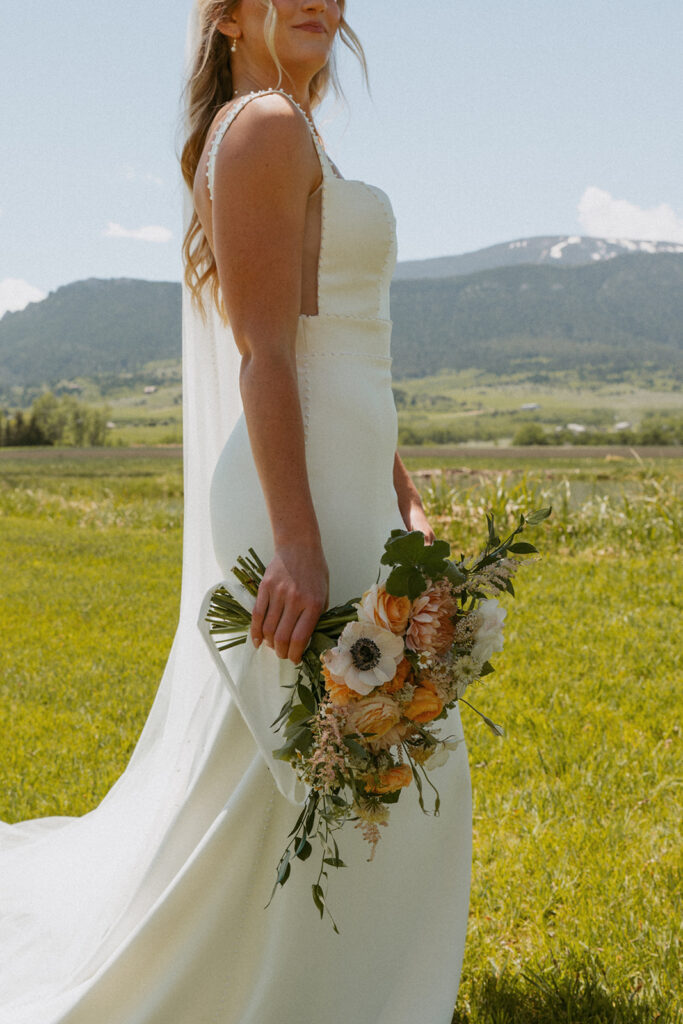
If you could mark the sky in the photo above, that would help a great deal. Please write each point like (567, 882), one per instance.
(487, 121)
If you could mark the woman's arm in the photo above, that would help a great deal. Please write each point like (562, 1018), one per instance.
(265, 168)
(410, 502)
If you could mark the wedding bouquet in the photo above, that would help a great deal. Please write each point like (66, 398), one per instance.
(379, 673)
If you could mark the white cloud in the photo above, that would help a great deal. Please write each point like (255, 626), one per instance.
(16, 294)
(149, 233)
(603, 215)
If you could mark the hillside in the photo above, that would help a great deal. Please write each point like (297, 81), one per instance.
(616, 315)
(89, 328)
(622, 314)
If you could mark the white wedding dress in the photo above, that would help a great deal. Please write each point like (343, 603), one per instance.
(151, 909)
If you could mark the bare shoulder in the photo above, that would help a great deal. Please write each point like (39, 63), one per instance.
(270, 136)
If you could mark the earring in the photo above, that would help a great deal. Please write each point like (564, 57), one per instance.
(233, 45)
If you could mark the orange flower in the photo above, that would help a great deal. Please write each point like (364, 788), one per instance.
(390, 780)
(403, 672)
(424, 706)
(428, 684)
(375, 714)
(339, 692)
(431, 620)
(384, 609)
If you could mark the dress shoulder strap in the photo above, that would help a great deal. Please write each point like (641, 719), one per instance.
(232, 114)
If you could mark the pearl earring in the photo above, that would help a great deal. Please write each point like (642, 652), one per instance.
(233, 45)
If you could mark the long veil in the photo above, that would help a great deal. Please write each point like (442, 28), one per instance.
(74, 890)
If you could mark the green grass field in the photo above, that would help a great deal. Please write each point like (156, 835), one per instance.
(575, 903)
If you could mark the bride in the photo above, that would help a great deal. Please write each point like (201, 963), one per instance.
(151, 908)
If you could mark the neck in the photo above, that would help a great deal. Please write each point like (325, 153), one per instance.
(246, 82)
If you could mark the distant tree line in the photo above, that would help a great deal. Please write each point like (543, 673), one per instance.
(653, 430)
(54, 421)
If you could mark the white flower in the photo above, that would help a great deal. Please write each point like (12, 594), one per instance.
(440, 754)
(489, 634)
(365, 656)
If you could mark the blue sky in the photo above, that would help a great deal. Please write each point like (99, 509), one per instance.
(488, 121)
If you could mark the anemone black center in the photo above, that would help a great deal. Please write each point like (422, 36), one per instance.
(365, 654)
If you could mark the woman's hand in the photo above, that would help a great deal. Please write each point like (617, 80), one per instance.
(415, 519)
(291, 597)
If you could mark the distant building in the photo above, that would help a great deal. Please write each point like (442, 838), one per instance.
(528, 406)
(622, 425)
(150, 389)
(576, 428)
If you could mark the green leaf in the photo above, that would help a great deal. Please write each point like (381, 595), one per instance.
(355, 748)
(486, 669)
(318, 898)
(306, 698)
(390, 798)
(522, 547)
(285, 752)
(303, 849)
(335, 862)
(539, 515)
(454, 574)
(405, 581)
(310, 820)
(404, 549)
(283, 868)
(298, 715)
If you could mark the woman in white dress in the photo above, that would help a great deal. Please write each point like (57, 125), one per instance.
(151, 909)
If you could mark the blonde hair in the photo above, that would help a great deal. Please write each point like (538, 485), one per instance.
(208, 88)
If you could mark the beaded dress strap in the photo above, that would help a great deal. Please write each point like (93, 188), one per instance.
(229, 118)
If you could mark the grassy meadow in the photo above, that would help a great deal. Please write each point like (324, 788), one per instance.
(575, 903)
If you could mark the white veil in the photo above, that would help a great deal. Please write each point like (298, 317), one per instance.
(73, 890)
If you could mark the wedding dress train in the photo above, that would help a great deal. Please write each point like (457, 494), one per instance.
(151, 909)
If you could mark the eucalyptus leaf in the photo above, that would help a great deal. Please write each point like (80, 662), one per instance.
(522, 547)
(318, 898)
(303, 849)
(283, 868)
(298, 715)
(539, 515)
(306, 697)
(334, 861)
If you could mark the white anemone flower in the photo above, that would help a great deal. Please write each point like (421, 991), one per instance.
(365, 656)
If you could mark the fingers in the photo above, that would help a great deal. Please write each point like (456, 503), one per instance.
(258, 614)
(301, 634)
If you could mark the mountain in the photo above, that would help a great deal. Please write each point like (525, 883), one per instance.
(618, 313)
(556, 250)
(90, 327)
(622, 314)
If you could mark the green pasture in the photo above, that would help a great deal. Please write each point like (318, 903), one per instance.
(575, 903)
(471, 405)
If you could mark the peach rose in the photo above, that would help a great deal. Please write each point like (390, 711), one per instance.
(431, 625)
(375, 714)
(424, 706)
(403, 672)
(390, 780)
(393, 737)
(428, 684)
(339, 692)
(384, 609)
